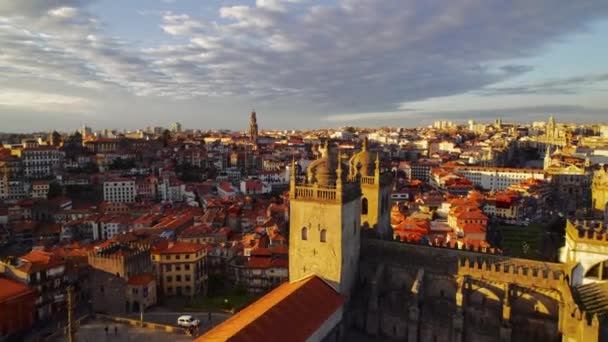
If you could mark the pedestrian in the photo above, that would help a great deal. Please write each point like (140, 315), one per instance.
(106, 329)
(115, 330)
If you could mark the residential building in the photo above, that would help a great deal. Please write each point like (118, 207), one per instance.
(181, 269)
(41, 162)
(44, 272)
(17, 307)
(40, 188)
(119, 190)
(141, 292)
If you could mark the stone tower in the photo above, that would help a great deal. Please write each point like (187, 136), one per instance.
(324, 223)
(253, 127)
(550, 129)
(547, 159)
(375, 191)
(599, 189)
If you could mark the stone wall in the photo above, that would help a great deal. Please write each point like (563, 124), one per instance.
(422, 293)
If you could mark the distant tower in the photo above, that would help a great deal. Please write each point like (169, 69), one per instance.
(55, 138)
(547, 160)
(550, 129)
(324, 223)
(253, 127)
(176, 127)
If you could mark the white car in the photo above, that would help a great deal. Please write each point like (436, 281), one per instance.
(188, 321)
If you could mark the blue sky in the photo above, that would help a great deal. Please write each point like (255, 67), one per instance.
(300, 63)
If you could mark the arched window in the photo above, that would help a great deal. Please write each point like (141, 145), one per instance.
(304, 233)
(323, 235)
(364, 206)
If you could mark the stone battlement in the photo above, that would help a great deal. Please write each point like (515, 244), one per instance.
(590, 231)
(508, 268)
(315, 192)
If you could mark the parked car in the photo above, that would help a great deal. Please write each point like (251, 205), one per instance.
(187, 321)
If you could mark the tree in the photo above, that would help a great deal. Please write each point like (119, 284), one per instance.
(55, 190)
(166, 137)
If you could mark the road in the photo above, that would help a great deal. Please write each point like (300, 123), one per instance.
(94, 331)
(170, 318)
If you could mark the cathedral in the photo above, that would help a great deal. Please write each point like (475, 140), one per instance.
(349, 281)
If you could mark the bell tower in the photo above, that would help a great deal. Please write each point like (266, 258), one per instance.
(253, 127)
(324, 223)
(375, 191)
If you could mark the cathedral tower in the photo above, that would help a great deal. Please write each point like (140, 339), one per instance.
(253, 127)
(325, 212)
(375, 191)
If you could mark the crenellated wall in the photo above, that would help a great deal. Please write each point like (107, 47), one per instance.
(425, 293)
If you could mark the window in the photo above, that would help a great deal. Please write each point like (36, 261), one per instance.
(135, 291)
(304, 233)
(187, 277)
(178, 278)
(364, 206)
(168, 268)
(187, 256)
(169, 279)
(178, 268)
(323, 235)
(187, 267)
(177, 257)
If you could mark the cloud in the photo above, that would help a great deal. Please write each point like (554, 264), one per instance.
(568, 85)
(43, 101)
(352, 56)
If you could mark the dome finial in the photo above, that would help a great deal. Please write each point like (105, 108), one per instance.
(364, 146)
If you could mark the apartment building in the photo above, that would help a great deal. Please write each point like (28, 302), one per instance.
(119, 190)
(181, 269)
(41, 162)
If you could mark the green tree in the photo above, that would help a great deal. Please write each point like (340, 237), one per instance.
(55, 190)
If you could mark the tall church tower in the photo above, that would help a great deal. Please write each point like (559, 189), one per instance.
(253, 127)
(375, 189)
(324, 223)
(550, 129)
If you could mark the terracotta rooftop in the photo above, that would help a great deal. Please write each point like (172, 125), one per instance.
(10, 289)
(179, 247)
(141, 279)
(291, 312)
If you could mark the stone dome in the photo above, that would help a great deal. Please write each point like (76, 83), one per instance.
(323, 170)
(364, 160)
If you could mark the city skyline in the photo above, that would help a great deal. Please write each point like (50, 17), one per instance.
(302, 63)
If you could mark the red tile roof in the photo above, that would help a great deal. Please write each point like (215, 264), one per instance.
(10, 289)
(182, 247)
(141, 279)
(291, 312)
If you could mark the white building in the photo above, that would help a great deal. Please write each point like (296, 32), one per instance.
(41, 162)
(119, 190)
(498, 178)
(40, 189)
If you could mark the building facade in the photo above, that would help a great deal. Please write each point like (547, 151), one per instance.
(181, 269)
(120, 190)
(497, 178)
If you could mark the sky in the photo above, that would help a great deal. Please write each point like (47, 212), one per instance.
(300, 63)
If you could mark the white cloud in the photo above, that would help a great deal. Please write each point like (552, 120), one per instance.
(63, 12)
(43, 102)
